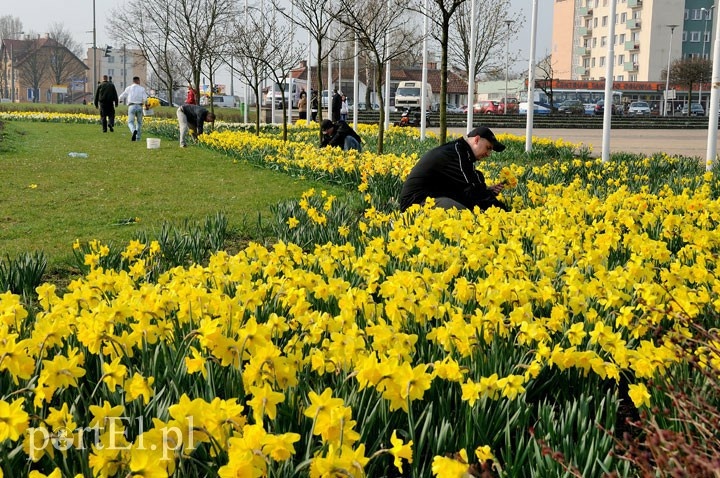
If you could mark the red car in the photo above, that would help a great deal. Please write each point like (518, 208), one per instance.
(487, 107)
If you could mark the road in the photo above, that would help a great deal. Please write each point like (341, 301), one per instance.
(685, 142)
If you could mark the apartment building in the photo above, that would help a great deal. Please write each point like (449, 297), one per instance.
(119, 63)
(648, 34)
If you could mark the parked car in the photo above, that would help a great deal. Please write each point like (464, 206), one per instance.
(163, 101)
(486, 107)
(571, 107)
(226, 101)
(600, 109)
(455, 109)
(363, 106)
(639, 108)
(512, 105)
(537, 109)
(696, 109)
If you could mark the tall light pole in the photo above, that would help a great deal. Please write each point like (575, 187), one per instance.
(667, 75)
(609, 75)
(94, 84)
(507, 61)
(531, 79)
(711, 159)
(471, 72)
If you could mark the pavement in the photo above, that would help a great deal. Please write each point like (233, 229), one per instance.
(684, 142)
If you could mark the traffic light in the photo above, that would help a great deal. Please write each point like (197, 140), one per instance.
(108, 49)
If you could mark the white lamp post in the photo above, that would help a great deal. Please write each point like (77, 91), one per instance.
(531, 80)
(12, 66)
(667, 75)
(507, 61)
(609, 75)
(471, 72)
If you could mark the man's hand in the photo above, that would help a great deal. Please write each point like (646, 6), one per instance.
(497, 188)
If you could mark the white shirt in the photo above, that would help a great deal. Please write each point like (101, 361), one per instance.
(134, 94)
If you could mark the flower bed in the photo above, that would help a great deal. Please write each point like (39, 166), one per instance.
(366, 342)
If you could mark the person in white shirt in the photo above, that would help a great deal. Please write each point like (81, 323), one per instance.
(136, 98)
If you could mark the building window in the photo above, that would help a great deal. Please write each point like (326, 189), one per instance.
(592, 62)
(594, 44)
(694, 37)
(603, 41)
(595, 20)
(621, 60)
(602, 61)
(706, 37)
(632, 77)
(620, 78)
(604, 21)
(697, 14)
(687, 14)
(622, 38)
(623, 17)
(684, 36)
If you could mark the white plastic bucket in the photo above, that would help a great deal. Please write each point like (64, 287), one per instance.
(153, 143)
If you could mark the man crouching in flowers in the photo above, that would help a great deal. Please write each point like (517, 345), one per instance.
(447, 174)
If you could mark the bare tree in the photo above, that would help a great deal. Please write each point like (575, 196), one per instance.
(10, 28)
(440, 14)
(250, 48)
(491, 35)
(32, 65)
(315, 16)
(384, 34)
(545, 74)
(63, 51)
(152, 26)
(688, 72)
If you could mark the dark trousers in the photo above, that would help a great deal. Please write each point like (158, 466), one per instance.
(107, 115)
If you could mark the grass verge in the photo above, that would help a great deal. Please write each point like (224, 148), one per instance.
(49, 199)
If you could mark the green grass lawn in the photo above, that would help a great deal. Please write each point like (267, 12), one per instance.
(48, 199)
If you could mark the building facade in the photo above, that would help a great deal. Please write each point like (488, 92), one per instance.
(649, 34)
(121, 64)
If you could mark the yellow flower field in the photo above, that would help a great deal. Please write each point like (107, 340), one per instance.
(429, 343)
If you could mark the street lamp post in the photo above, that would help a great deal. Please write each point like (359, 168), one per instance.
(507, 61)
(667, 75)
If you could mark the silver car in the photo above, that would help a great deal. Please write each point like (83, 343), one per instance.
(639, 108)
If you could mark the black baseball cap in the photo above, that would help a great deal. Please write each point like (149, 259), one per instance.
(326, 125)
(485, 132)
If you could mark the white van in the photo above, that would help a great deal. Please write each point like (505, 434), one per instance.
(409, 95)
(226, 101)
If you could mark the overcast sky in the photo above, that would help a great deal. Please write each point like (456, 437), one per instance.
(38, 15)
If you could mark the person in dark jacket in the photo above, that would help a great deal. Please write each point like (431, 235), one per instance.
(336, 105)
(339, 134)
(106, 98)
(447, 173)
(192, 117)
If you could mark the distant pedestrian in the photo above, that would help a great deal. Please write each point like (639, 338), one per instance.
(191, 98)
(136, 98)
(313, 105)
(192, 117)
(344, 108)
(302, 105)
(336, 105)
(106, 99)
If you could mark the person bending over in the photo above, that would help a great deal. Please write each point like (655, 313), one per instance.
(339, 134)
(447, 173)
(192, 117)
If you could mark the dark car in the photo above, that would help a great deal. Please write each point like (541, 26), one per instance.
(600, 109)
(571, 107)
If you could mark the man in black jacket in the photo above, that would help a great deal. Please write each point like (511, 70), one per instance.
(339, 134)
(447, 173)
(192, 117)
(106, 98)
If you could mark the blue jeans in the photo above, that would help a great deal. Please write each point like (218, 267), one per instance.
(351, 143)
(135, 117)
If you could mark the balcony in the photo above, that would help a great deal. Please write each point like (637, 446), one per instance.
(584, 31)
(633, 24)
(634, 3)
(581, 70)
(582, 50)
(584, 11)
(630, 66)
(631, 46)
